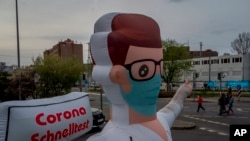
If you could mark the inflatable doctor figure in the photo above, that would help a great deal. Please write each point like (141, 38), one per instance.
(127, 53)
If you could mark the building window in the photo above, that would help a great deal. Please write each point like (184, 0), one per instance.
(204, 62)
(237, 60)
(196, 62)
(225, 60)
(215, 61)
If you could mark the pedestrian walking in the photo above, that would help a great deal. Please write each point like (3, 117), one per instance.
(200, 101)
(222, 103)
(230, 103)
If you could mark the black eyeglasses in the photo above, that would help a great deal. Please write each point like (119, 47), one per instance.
(142, 70)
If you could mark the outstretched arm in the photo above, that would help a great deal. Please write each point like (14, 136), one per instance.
(174, 107)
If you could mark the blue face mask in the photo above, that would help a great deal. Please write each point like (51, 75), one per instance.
(143, 95)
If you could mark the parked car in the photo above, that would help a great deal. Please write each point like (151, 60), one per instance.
(98, 117)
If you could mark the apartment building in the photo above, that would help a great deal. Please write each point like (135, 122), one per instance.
(67, 48)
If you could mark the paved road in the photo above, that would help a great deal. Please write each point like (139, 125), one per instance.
(209, 126)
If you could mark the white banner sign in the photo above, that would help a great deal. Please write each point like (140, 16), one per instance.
(59, 118)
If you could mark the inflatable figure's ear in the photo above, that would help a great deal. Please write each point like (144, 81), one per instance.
(119, 76)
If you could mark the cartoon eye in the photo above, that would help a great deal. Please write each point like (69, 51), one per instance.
(143, 70)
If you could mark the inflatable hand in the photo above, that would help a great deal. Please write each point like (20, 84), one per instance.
(173, 108)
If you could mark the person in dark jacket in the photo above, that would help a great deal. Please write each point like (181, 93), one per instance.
(222, 103)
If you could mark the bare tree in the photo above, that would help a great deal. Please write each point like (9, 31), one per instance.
(241, 45)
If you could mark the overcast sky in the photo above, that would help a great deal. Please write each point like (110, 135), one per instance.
(42, 23)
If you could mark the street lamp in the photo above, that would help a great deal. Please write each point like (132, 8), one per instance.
(17, 35)
(89, 63)
(18, 51)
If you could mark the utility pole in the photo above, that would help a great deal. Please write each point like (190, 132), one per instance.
(17, 36)
(18, 52)
(89, 66)
(220, 76)
(195, 75)
(200, 49)
(88, 72)
(209, 69)
(193, 85)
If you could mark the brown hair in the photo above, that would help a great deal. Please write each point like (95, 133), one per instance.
(131, 29)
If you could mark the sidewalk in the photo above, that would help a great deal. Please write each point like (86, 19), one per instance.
(183, 125)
